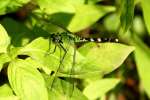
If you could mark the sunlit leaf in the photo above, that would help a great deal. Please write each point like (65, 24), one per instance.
(5, 90)
(146, 7)
(55, 6)
(38, 51)
(4, 40)
(142, 57)
(26, 81)
(10, 98)
(127, 13)
(63, 90)
(8, 6)
(6, 93)
(103, 58)
(87, 15)
(99, 88)
(3, 6)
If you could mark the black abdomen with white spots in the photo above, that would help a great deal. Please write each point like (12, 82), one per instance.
(99, 40)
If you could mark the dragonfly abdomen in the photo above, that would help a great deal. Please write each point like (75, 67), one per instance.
(99, 40)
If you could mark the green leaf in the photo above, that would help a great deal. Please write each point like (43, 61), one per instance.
(103, 57)
(55, 6)
(4, 58)
(26, 81)
(142, 57)
(127, 13)
(3, 6)
(9, 98)
(5, 90)
(63, 90)
(86, 15)
(6, 93)
(98, 88)
(146, 7)
(4, 40)
(8, 6)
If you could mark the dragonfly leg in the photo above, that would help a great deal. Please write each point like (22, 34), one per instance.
(60, 64)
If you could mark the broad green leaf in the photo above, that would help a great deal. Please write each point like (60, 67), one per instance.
(4, 58)
(8, 6)
(4, 40)
(87, 15)
(127, 13)
(98, 88)
(146, 7)
(26, 81)
(142, 57)
(63, 90)
(103, 57)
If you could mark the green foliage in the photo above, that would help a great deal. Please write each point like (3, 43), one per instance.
(33, 69)
(105, 63)
(8, 6)
(104, 85)
(61, 90)
(4, 40)
(26, 81)
(73, 15)
(6, 93)
(83, 19)
(145, 7)
(127, 13)
(142, 60)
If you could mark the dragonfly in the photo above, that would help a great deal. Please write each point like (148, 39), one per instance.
(59, 38)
